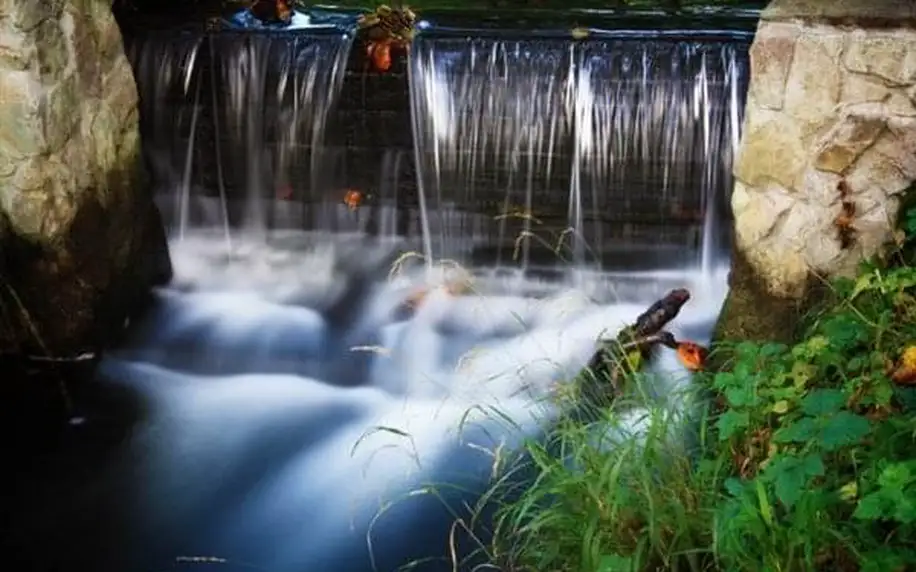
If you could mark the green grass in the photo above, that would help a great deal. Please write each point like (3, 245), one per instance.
(798, 457)
(633, 501)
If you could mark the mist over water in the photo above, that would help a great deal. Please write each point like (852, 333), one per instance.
(293, 380)
(279, 424)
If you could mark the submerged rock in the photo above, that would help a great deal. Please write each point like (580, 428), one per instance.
(80, 238)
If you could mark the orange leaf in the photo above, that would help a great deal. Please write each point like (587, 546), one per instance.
(905, 372)
(691, 355)
(380, 55)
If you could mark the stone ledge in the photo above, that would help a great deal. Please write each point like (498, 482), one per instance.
(859, 13)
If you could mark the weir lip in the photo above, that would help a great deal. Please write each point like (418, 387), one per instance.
(689, 22)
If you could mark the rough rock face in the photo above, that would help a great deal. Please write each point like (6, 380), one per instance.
(830, 119)
(80, 237)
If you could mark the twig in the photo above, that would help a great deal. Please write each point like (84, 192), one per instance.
(86, 356)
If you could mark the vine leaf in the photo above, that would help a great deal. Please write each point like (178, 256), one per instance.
(791, 476)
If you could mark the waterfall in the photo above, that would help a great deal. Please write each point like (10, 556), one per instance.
(605, 153)
(283, 409)
(235, 125)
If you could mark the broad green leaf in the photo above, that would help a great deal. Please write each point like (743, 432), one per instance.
(723, 379)
(740, 396)
(823, 402)
(801, 431)
(905, 508)
(791, 476)
(873, 506)
(813, 465)
(843, 429)
(897, 475)
(746, 351)
(732, 422)
(844, 332)
(735, 487)
(770, 350)
(745, 371)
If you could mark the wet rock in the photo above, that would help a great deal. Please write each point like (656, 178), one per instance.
(81, 239)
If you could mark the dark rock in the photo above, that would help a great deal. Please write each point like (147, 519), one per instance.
(81, 239)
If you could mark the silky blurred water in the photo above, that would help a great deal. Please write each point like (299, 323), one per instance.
(287, 395)
(283, 389)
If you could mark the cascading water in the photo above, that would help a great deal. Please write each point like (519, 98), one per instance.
(656, 142)
(261, 161)
(291, 390)
(485, 108)
(614, 145)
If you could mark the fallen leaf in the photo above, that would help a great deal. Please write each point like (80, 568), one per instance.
(905, 371)
(580, 33)
(691, 355)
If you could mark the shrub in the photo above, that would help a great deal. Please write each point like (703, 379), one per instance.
(804, 456)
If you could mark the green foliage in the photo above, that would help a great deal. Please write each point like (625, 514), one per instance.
(806, 459)
(610, 501)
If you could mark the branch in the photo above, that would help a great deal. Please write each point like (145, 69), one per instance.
(660, 313)
(626, 353)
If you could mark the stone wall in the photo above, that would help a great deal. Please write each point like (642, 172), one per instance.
(80, 238)
(829, 140)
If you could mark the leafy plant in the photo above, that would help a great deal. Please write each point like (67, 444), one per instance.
(805, 458)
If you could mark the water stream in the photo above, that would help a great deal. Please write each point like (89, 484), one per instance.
(290, 382)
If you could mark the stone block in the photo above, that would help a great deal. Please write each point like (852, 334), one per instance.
(850, 136)
(771, 58)
(889, 56)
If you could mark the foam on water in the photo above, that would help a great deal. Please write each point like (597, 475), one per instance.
(294, 424)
